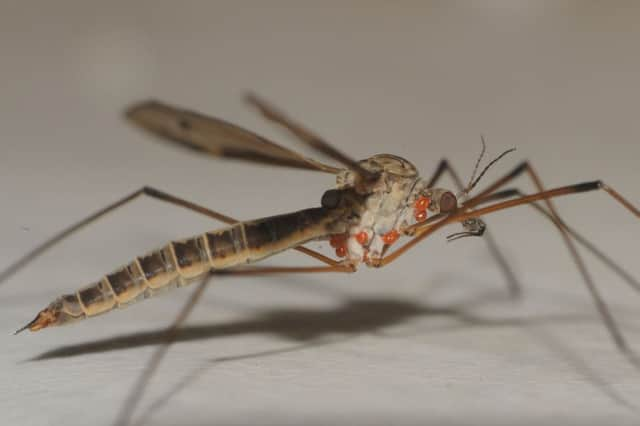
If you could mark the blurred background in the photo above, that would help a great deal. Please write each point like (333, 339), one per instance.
(433, 338)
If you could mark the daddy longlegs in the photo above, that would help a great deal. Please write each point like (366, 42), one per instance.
(375, 202)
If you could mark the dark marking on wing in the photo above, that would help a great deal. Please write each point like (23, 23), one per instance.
(215, 136)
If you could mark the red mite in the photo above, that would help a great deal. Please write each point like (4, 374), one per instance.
(362, 237)
(420, 215)
(422, 203)
(337, 240)
(420, 208)
(390, 237)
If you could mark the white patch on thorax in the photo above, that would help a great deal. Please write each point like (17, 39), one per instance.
(388, 206)
(384, 211)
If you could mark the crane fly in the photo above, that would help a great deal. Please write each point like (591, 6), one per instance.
(374, 203)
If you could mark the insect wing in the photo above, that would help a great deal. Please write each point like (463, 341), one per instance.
(215, 136)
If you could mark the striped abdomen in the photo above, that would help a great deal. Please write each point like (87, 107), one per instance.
(180, 262)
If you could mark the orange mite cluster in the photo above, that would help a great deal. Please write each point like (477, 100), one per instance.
(339, 242)
(420, 208)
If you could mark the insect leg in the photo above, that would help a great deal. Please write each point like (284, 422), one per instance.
(512, 282)
(156, 358)
(138, 389)
(149, 191)
(428, 227)
(579, 238)
(306, 136)
(263, 270)
(527, 168)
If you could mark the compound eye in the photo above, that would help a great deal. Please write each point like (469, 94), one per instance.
(448, 202)
(331, 198)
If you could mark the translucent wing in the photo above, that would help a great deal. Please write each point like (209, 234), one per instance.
(215, 136)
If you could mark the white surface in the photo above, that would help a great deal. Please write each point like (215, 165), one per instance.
(430, 339)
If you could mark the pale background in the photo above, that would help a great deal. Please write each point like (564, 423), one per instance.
(432, 339)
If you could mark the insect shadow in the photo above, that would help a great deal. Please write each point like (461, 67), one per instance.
(350, 318)
(353, 316)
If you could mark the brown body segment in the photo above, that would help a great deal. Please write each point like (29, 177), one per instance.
(267, 237)
(97, 298)
(227, 247)
(153, 268)
(127, 283)
(180, 262)
(191, 257)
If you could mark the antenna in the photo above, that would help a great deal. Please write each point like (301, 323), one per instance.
(472, 183)
(475, 168)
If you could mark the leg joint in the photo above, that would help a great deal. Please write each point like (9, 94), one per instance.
(588, 186)
(148, 190)
(519, 169)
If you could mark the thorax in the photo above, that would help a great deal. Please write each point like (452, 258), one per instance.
(379, 210)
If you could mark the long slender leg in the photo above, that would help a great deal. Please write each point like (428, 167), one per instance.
(305, 135)
(579, 238)
(436, 222)
(124, 417)
(512, 282)
(149, 191)
(253, 270)
(527, 168)
(428, 227)
(137, 391)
